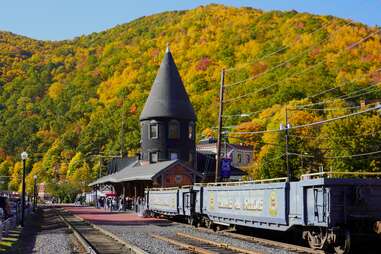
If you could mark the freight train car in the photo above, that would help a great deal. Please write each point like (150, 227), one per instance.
(328, 211)
(173, 202)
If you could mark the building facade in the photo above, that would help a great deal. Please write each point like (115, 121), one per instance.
(240, 155)
(168, 120)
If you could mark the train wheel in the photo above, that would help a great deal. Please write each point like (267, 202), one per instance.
(190, 220)
(317, 238)
(208, 223)
(216, 227)
(343, 244)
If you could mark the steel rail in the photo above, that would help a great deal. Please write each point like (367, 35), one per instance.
(185, 246)
(219, 244)
(95, 239)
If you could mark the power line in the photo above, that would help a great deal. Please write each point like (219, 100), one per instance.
(372, 88)
(280, 49)
(267, 162)
(326, 109)
(283, 62)
(355, 44)
(273, 84)
(334, 88)
(247, 114)
(353, 156)
(311, 124)
(269, 70)
(302, 155)
(337, 157)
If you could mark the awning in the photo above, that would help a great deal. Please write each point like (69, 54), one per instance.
(139, 173)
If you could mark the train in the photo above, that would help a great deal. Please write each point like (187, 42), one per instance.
(328, 211)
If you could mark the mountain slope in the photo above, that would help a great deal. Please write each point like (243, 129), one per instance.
(63, 101)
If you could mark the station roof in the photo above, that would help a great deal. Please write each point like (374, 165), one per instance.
(138, 173)
(168, 97)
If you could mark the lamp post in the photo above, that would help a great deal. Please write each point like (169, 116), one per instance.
(24, 156)
(35, 193)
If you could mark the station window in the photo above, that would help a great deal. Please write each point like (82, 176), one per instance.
(191, 130)
(248, 158)
(153, 131)
(173, 156)
(239, 158)
(153, 157)
(174, 129)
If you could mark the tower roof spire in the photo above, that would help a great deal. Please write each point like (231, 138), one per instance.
(168, 97)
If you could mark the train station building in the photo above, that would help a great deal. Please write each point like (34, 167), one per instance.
(168, 149)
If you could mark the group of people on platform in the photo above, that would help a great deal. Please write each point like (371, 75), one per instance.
(120, 203)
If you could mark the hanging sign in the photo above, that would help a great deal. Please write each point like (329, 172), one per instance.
(225, 167)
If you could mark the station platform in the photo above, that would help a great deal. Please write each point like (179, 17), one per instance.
(102, 217)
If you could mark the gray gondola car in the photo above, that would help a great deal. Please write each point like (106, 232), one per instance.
(328, 211)
(174, 202)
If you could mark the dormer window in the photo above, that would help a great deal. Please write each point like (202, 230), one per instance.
(153, 132)
(191, 130)
(174, 129)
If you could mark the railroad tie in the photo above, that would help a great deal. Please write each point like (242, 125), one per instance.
(218, 244)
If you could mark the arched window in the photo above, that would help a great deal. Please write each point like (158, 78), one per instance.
(191, 130)
(174, 129)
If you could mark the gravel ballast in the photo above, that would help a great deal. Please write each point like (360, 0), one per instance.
(141, 236)
(54, 236)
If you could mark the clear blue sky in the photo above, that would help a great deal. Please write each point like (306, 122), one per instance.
(65, 19)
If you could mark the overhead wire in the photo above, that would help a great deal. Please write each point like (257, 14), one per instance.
(247, 114)
(373, 88)
(337, 157)
(352, 45)
(309, 49)
(353, 155)
(273, 84)
(267, 162)
(272, 68)
(283, 62)
(311, 124)
(278, 50)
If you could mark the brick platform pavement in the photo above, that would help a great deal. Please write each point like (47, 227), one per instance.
(100, 216)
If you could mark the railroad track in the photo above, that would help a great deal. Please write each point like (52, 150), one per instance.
(271, 243)
(260, 241)
(202, 246)
(94, 239)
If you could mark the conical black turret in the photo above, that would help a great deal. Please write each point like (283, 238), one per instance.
(168, 118)
(168, 97)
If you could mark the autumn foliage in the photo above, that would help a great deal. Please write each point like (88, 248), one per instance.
(64, 101)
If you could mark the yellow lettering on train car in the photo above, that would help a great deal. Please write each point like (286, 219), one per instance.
(211, 201)
(273, 204)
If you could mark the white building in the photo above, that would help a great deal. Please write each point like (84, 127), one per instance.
(241, 155)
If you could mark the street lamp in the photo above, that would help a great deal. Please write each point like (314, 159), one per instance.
(24, 156)
(35, 193)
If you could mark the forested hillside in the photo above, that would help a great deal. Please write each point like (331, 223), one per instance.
(64, 101)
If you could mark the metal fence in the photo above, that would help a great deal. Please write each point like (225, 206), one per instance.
(11, 223)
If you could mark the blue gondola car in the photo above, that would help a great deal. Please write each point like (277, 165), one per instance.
(328, 211)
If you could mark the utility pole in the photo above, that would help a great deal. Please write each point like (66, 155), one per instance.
(286, 137)
(220, 125)
(122, 152)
